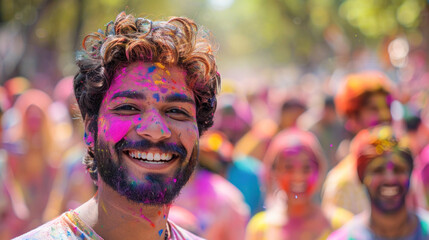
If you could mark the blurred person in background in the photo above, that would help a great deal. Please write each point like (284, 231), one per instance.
(7, 227)
(255, 142)
(146, 91)
(330, 131)
(233, 117)
(418, 137)
(384, 167)
(218, 205)
(295, 168)
(15, 87)
(72, 185)
(33, 161)
(290, 112)
(364, 100)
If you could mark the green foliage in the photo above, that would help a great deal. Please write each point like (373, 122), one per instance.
(251, 31)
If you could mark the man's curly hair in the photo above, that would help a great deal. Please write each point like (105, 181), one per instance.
(175, 42)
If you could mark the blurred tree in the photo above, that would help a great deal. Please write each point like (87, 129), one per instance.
(38, 38)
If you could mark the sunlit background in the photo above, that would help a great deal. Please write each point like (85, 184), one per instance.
(259, 41)
(280, 61)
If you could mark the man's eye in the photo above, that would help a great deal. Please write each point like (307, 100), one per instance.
(177, 113)
(378, 170)
(400, 170)
(126, 108)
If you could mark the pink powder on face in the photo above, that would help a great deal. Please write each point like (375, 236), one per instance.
(116, 129)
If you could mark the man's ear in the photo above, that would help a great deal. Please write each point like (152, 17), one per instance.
(89, 131)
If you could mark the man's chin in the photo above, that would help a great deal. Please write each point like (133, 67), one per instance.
(390, 208)
(150, 188)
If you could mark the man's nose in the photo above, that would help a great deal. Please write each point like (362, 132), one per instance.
(153, 126)
(390, 176)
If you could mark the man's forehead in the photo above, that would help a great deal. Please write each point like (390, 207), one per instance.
(157, 72)
(390, 157)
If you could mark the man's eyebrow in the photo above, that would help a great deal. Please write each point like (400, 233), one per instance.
(178, 97)
(129, 94)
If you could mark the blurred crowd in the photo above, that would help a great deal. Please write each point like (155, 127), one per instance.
(276, 164)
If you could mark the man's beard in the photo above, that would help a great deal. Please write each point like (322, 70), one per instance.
(150, 188)
(389, 207)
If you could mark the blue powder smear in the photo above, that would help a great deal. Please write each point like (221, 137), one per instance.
(151, 69)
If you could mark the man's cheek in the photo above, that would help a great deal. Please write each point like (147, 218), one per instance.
(369, 181)
(405, 181)
(115, 129)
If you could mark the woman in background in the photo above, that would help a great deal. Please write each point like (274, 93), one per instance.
(295, 167)
(33, 160)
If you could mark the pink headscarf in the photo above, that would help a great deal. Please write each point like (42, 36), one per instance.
(291, 139)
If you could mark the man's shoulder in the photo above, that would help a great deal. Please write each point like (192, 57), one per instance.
(178, 233)
(423, 216)
(55, 229)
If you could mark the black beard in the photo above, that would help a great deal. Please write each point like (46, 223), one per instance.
(153, 189)
(381, 205)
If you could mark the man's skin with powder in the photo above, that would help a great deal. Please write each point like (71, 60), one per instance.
(155, 111)
(150, 96)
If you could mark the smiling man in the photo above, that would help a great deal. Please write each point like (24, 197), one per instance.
(146, 91)
(384, 167)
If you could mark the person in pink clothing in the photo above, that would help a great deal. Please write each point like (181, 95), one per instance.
(146, 91)
(218, 205)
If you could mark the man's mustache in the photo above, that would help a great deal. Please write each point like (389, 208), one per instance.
(144, 145)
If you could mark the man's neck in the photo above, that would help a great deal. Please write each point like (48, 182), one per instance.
(399, 224)
(112, 216)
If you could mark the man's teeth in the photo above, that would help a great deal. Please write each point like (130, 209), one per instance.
(389, 191)
(149, 156)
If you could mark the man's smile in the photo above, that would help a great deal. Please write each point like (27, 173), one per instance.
(154, 157)
(389, 191)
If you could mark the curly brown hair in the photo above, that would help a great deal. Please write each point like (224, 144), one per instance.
(175, 42)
